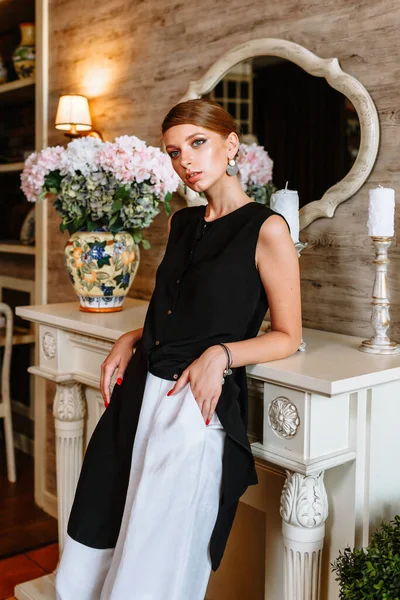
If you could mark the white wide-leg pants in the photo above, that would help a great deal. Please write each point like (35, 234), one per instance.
(171, 507)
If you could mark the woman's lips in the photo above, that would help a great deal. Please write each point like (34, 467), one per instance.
(193, 177)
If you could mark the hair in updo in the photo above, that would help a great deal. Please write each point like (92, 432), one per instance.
(204, 113)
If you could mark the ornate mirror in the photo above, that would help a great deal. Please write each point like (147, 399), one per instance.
(318, 124)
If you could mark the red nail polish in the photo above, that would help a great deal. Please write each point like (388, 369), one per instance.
(119, 381)
(169, 393)
(207, 422)
(106, 404)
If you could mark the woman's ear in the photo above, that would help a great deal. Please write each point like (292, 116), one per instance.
(233, 144)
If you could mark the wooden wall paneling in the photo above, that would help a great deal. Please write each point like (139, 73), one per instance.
(134, 61)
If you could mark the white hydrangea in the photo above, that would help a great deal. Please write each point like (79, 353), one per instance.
(81, 155)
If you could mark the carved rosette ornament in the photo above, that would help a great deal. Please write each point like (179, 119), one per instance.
(304, 502)
(283, 417)
(49, 346)
(69, 402)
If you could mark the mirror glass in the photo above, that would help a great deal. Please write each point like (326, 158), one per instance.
(310, 130)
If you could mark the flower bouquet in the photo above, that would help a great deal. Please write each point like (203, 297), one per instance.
(255, 168)
(105, 194)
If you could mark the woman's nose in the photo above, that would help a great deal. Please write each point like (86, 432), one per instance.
(186, 160)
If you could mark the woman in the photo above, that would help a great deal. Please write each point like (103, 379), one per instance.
(170, 458)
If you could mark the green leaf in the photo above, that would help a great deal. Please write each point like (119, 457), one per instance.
(117, 225)
(146, 244)
(91, 225)
(167, 207)
(113, 219)
(103, 261)
(53, 181)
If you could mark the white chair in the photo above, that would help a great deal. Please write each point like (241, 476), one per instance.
(5, 401)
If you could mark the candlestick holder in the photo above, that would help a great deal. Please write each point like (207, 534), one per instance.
(380, 343)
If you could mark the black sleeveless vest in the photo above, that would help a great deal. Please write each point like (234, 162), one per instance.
(207, 290)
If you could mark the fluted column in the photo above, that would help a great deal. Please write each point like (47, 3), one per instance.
(304, 509)
(69, 410)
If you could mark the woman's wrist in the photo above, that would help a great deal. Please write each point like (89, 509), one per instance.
(217, 352)
(133, 336)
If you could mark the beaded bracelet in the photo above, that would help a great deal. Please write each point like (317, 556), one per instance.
(228, 370)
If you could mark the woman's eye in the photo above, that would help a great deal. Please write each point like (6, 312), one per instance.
(174, 154)
(198, 141)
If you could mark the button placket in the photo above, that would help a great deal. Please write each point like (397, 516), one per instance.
(167, 323)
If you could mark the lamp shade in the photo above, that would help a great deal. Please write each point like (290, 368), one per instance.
(73, 113)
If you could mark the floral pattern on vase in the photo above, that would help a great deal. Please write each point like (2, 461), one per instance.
(102, 267)
(24, 55)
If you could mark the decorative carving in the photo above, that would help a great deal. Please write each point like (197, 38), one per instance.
(304, 502)
(69, 402)
(79, 340)
(339, 80)
(283, 417)
(49, 345)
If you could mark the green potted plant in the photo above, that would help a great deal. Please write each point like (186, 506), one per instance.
(371, 573)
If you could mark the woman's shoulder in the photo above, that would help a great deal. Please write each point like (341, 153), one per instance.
(187, 213)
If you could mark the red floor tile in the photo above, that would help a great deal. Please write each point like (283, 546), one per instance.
(46, 557)
(17, 569)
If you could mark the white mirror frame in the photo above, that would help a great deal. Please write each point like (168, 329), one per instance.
(338, 79)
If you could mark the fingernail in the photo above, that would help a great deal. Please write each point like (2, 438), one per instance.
(119, 381)
(207, 422)
(170, 392)
(106, 404)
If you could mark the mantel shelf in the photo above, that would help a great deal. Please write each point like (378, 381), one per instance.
(15, 247)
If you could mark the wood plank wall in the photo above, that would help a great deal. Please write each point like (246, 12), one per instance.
(134, 60)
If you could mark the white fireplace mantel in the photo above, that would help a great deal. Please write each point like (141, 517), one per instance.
(323, 408)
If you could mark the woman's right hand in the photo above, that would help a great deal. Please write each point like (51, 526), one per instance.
(118, 358)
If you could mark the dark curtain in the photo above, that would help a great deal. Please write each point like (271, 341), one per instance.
(300, 121)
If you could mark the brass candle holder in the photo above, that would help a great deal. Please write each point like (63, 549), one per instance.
(380, 343)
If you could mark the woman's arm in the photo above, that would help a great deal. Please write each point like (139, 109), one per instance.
(278, 265)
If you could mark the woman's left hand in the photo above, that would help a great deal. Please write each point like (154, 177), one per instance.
(205, 376)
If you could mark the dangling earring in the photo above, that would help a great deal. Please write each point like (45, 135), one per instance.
(232, 168)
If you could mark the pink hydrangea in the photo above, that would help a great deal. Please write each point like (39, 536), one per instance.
(254, 164)
(37, 166)
(129, 159)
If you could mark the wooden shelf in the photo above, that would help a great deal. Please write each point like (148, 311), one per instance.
(14, 92)
(10, 167)
(15, 247)
(10, 86)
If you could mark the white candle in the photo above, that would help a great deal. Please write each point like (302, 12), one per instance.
(381, 212)
(286, 203)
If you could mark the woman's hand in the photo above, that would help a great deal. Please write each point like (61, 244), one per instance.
(205, 376)
(119, 357)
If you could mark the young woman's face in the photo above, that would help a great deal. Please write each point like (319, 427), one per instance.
(199, 155)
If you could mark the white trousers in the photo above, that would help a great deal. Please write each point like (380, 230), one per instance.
(162, 551)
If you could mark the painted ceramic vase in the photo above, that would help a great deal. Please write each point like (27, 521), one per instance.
(102, 267)
(24, 55)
